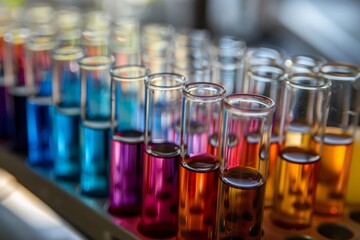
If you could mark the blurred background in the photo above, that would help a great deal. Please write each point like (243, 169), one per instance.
(325, 27)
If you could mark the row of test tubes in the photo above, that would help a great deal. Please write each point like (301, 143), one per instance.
(195, 135)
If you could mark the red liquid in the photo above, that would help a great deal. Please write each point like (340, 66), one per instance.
(127, 156)
(198, 197)
(240, 206)
(159, 217)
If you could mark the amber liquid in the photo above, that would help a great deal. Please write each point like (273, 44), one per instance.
(270, 179)
(297, 173)
(334, 172)
(240, 204)
(353, 193)
(198, 197)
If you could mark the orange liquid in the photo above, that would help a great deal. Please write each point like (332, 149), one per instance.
(296, 180)
(270, 179)
(334, 172)
(353, 193)
(240, 206)
(198, 197)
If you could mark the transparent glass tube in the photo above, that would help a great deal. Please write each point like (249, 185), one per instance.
(159, 216)
(199, 160)
(244, 153)
(303, 120)
(227, 65)
(127, 141)
(125, 42)
(68, 23)
(261, 55)
(95, 125)
(38, 106)
(269, 81)
(338, 141)
(156, 46)
(304, 64)
(66, 113)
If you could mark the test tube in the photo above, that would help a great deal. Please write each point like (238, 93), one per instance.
(39, 65)
(199, 166)
(68, 23)
(127, 142)
(156, 46)
(17, 86)
(303, 63)
(4, 118)
(261, 55)
(303, 118)
(95, 125)
(269, 80)
(244, 153)
(66, 114)
(338, 141)
(125, 41)
(159, 216)
(227, 65)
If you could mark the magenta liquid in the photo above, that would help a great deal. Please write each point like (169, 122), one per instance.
(159, 217)
(127, 156)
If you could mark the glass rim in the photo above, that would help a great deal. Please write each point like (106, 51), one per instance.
(116, 72)
(67, 53)
(95, 62)
(219, 91)
(267, 103)
(313, 58)
(250, 51)
(339, 71)
(179, 78)
(324, 84)
(41, 42)
(254, 74)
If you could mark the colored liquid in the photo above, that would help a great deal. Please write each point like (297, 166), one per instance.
(334, 171)
(298, 135)
(127, 156)
(353, 194)
(4, 120)
(198, 197)
(240, 206)
(18, 119)
(297, 173)
(66, 144)
(270, 179)
(94, 155)
(159, 217)
(39, 131)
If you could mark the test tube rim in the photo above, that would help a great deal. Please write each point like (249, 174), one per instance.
(352, 74)
(181, 79)
(85, 62)
(114, 72)
(218, 96)
(325, 85)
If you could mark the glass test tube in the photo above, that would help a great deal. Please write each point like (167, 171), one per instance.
(304, 64)
(38, 106)
(261, 55)
(303, 120)
(95, 125)
(244, 153)
(4, 118)
(227, 66)
(337, 145)
(156, 46)
(127, 142)
(17, 86)
(268, 80)
(125, 42)
(68, 22)
(199, 165)
(66, 114)
(159, 216)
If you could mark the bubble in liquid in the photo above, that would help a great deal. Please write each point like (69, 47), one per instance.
(232, 217)
(301, 206)
(247, 216)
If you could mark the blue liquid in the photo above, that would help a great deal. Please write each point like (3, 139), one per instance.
(94, 144)
(66, 149)
(39, 131)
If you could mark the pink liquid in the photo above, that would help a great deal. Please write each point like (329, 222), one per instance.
(159, 216)
(127, 155)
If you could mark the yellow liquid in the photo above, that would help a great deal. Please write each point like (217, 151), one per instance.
(353, 193)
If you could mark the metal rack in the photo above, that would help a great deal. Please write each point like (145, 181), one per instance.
(90, 216)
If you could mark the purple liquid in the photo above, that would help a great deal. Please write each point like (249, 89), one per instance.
(159, 216)
(127, 155)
